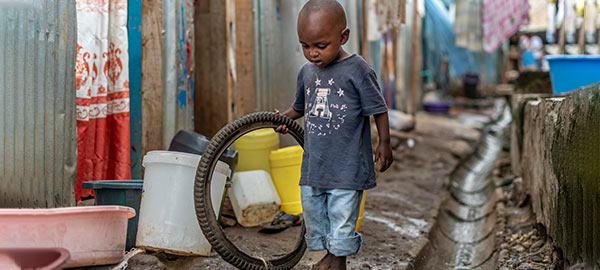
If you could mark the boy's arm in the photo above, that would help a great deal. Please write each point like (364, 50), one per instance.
(291, 113)
(383, 153)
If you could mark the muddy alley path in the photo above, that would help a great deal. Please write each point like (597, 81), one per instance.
(399, 212)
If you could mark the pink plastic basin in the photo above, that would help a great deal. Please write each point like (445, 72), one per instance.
(94, 235)
(33, 258)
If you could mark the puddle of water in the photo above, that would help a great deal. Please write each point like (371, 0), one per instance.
(398, 198)
(406, 230)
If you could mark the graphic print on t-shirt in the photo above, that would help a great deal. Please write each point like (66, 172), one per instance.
(321, 106)
(328, 110)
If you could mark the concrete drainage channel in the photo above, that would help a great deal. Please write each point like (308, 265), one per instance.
(463, 236)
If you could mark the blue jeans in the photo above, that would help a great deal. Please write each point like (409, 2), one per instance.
(330, 217)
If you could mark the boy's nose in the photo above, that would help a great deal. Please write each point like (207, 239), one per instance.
(314, 53)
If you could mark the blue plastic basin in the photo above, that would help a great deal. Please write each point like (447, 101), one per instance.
(569, 72)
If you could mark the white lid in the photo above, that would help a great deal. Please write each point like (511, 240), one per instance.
(180, 158)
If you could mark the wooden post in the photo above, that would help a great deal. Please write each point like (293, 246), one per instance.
(213, 98)
(386, 69)
(482, 70)
(402, 11)
(394, 61)
(152, 84)
(415, 68)
(245, 93)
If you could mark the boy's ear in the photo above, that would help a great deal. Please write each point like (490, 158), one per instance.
(345, 35)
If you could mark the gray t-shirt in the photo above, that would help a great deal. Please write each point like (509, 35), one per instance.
(337, 101)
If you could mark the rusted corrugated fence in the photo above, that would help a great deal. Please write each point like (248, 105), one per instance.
(37, 103)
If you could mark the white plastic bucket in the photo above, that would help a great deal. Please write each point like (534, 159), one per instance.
(254, 198)
(167, 219)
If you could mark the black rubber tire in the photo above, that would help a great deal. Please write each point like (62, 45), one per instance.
(202, 199)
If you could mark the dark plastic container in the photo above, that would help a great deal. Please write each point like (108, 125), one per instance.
(470, 82)
(195, 143)
(120, 192)
(441, 107)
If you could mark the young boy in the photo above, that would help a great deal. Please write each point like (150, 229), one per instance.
(336, 93)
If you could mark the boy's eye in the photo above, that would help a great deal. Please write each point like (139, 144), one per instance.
(305, 46)
(322, 46)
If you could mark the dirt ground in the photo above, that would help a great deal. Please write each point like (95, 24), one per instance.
(398, 212)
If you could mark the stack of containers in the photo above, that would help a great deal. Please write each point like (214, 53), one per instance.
(253, 196)
(258, 150)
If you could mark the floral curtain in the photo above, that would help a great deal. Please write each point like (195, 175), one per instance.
(102, 75)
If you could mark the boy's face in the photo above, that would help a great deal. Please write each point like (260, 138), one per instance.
(321, 39)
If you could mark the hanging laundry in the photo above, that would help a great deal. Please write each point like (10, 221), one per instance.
(501, 19)
(382, 16)
(102, 85)
(467, 24)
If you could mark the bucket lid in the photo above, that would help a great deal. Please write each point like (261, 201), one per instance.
(258, 139)
(195, 143)
(180, 158)
(114, 184)
(287, 156)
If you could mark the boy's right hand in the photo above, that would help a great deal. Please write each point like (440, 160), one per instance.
(283, 128)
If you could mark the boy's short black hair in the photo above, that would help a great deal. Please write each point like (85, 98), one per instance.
(332, 7)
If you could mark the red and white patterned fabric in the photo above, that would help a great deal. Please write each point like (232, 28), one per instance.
(102, 83)
(501, 19)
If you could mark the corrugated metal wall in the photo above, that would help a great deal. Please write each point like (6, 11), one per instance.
(37, 103)
(178, 67)
(278, 54)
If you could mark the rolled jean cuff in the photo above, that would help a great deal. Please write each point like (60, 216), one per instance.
(344, 246)
(315, 243)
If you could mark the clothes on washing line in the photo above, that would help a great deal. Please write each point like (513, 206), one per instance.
(382, 16)
(501, 19)
(467, 24)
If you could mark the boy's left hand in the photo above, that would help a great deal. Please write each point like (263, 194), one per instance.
(383, 156)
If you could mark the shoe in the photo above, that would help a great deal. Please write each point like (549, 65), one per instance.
(280, 222)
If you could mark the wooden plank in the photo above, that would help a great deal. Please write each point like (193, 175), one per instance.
(152, 83)
(415, 68)
(402, 11)
(244, 86)
(363, 33)
(393, 66)
(213, 87)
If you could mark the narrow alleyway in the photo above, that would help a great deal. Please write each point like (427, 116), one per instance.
(399, 213)
(114, 114)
